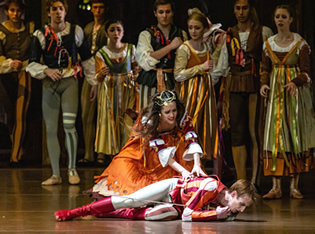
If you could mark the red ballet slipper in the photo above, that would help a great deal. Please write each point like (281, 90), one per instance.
(63, 215)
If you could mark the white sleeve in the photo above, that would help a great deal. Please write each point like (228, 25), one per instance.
(133, 54)
(79, 36)
(222, 67)
(164, 153)
(192, 149)
(144, 50)
(89, 70)
(5, 63)
(37, 69)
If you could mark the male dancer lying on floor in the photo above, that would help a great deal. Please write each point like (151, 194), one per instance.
(188, 197)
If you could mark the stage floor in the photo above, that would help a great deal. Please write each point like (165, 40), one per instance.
(27, 207)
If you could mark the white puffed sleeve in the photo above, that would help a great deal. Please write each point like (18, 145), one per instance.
(144, 50)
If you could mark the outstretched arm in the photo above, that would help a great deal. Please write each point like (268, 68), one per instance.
(197, 168)
(177, 167)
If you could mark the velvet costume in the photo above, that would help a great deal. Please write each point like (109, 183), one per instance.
(144, 161)
(196, 195)
(191, 198)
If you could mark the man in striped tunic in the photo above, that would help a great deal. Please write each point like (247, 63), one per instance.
(195, 199)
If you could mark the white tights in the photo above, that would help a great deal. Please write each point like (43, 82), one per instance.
(154, 192)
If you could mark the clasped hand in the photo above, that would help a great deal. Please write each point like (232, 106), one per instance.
(196, 172)
(223, 212)
(176, 42)
(104, 70)
(54, 74)
(207, 65)
(16, 65)
(291, 88)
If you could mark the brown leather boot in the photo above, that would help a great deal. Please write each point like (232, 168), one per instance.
(275, 192)
(294, 184)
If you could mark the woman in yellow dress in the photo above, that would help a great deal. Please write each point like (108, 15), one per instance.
(114, 65)
(192, 69)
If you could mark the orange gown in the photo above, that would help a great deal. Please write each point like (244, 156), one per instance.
(141, 161)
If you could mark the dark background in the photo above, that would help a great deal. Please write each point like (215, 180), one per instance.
(136, 16)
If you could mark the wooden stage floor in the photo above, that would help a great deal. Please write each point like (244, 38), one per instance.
(26, 207)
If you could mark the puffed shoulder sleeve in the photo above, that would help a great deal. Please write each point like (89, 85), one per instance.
(35, 68)
(191, 138)
(82, 44)
(164, 152)
(182, 73)
(144, 49)
(158, 145)
(5, 63)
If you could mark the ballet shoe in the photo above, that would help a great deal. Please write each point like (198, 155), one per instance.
(73, 176)
(63, 215)
(273, 194)
(53, 180)
(295, 193)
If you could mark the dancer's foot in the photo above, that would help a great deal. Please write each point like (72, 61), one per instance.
(53, 180)
(73, 176)
(295, 193)
(273, 194)
(63, 215)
